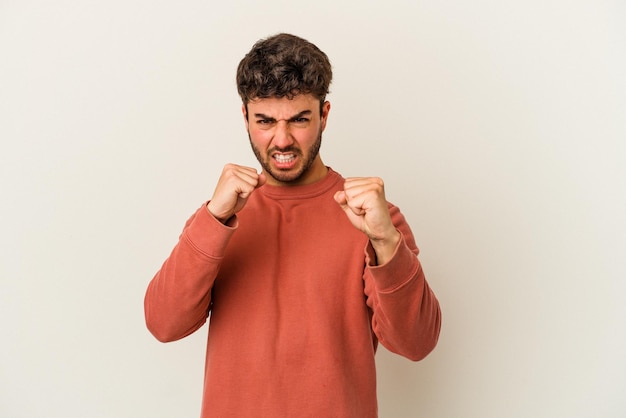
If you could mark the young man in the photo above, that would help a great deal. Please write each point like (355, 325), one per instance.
(302, 272)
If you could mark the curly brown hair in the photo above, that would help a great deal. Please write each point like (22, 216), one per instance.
(283, 65)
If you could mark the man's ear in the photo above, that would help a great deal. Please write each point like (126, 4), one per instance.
(324, 115)
(244, 111)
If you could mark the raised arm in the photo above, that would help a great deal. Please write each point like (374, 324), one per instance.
(406, 317)
(178, 298)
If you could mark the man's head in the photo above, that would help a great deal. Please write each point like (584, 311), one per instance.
(283, 82)
(283, 65)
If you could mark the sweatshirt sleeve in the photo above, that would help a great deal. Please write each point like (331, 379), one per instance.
(406, 316)
(178, 298)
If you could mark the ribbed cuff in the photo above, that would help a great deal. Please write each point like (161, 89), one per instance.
(208, 235)
(399, 270)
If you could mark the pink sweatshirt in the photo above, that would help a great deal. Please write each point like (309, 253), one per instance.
(297, 305)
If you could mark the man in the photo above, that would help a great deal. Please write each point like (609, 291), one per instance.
(302, 272)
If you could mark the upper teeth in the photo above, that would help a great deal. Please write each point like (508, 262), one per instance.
(283, 158)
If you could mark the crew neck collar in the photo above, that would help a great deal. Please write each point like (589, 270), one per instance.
(302, 191)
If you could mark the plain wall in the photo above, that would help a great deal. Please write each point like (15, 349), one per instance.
(498, 127)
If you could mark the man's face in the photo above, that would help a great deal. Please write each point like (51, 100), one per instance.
(286, 135)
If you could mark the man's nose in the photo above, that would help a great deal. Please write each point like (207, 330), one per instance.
(282, 134)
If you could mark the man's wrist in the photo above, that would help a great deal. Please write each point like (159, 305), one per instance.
(213, 214)
(385, 248)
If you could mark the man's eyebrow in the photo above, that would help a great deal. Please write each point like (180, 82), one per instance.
(299, 115)
(296, 116)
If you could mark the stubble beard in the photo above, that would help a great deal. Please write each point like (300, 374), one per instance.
(288, 176)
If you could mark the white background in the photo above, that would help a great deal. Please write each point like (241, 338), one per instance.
(498, 126)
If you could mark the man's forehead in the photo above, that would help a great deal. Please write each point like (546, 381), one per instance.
(297, 104)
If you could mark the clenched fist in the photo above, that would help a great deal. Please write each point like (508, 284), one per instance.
(234, 187)
(363, 201)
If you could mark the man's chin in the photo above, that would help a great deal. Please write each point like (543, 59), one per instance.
(286, 176)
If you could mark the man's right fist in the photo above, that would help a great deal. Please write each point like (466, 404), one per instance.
(234, 187)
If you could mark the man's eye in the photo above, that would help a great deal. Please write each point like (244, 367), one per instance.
(300, 121)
